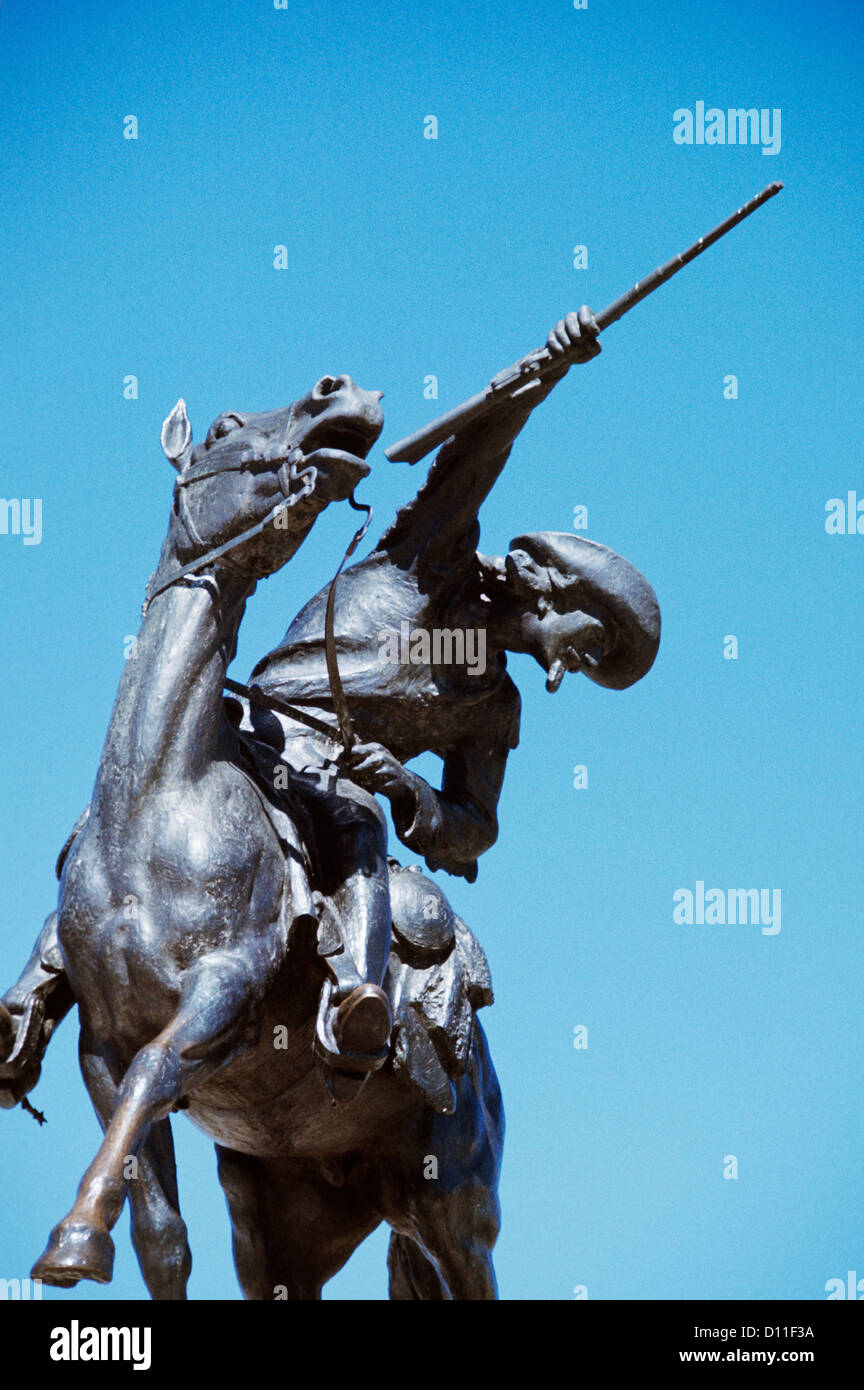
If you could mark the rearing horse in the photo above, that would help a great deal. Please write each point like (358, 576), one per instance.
(186, 931)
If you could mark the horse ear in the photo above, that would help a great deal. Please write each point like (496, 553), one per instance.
(176, 434)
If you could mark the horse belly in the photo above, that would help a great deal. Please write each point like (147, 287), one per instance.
(299, 1120)
(271, 1100)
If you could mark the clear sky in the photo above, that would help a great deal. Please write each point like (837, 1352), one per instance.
(409, 257)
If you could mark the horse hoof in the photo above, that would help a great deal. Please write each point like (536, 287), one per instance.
(75, 1251)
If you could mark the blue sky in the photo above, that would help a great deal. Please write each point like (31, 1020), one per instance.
(407, 257)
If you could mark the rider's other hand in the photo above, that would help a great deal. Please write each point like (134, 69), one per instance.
(373, 767)
(575, 337)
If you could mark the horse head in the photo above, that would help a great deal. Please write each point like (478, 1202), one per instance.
(268, 474)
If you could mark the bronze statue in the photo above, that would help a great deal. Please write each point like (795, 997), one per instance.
(210, 909)
(188, 935)
(238, 940)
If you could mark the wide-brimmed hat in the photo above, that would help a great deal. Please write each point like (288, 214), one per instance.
(582, 568)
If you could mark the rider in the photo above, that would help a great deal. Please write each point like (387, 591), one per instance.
(570, 603)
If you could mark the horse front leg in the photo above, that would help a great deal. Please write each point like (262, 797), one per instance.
(158, 1230)
(213, 1015)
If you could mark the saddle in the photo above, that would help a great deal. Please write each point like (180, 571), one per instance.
(437, 978)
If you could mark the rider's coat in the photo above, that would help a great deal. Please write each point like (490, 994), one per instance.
(425, 572)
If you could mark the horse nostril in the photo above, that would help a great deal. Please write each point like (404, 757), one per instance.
(329, 385)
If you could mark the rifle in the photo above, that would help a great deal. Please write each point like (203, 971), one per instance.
(531, 369)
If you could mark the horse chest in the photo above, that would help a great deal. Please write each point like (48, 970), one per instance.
(141, 902)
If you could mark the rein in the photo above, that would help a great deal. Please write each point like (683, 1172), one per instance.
(288, 472)
(340, 703)
(345, 731)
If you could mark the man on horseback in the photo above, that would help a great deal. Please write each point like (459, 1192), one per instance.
(572, 604)
(412, 688)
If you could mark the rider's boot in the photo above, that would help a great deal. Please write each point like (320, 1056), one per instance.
(363, 1022)
(354, 1021)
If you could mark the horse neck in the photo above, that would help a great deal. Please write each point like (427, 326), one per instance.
(165, 725)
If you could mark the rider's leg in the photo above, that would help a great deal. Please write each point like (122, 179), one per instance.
(356, 884)
(361, 897)
(350, 831)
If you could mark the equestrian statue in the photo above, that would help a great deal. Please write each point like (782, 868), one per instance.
(237, 937)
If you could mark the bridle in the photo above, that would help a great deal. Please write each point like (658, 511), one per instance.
(289, 473)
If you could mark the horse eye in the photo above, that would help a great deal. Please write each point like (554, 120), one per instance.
(224, 425)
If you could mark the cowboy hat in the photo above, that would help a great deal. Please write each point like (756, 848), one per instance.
(582, 569)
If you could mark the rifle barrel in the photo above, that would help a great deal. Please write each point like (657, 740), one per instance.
(616, 310)
(416, 446)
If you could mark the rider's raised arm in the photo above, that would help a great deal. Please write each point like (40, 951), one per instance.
(467, 466)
